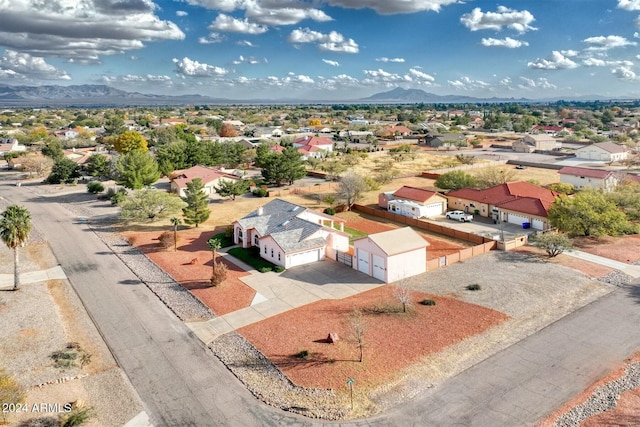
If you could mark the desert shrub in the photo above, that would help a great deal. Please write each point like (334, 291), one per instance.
(302, 354)
(330, 211)
(278, 269)
(95, 187)
(260, 192)
(428, 301)
(166, 240)
(77, 417)
(265, 269)
(228, 232)
(70, 356)
(117, 198)
(10, 392)
(219, 274)
(473, 287)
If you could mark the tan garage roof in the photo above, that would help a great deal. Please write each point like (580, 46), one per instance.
(397, 241)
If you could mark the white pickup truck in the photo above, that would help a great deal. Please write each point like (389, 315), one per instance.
(459, 216)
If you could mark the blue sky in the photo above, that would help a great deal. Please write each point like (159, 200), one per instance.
(326, 49)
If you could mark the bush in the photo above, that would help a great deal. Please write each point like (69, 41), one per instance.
(95, 187)
(473, 287)
(265, 269)
(302, 354)
(330, 211)
(166, 240)
(219, 274)
(278, 269)
(260, 192)
(117, 198)
(428, 302)
(224, 238)
(77, 417)
(10, 391)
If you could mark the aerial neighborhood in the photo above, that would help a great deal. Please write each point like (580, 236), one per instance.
(334, 260)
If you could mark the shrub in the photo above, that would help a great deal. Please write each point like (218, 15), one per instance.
(117, 198)
(95, 187)
(473, 287)
(77, 417)
(166, 240)
(302, 354)
(330, 211)
(66, 358)
(265, 269)
(10, 391)
(219, 274)
(260, 192)
(428, 301)
(278, 269)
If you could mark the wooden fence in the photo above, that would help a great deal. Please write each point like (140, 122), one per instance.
(482, 245)
(278, 192)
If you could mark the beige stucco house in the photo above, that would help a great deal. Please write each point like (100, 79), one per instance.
(531, 143)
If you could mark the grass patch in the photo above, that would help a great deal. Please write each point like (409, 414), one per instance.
(352, 232)
(252, 257)
(224, 239)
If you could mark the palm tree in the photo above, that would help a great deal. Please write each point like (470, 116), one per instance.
(176, 222)
(15, 226)
(214, 245)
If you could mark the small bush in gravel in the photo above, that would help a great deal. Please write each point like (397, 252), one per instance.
(428, 302)
(10, 392)
(473, 287)
(117, 198)
(166, 240)
(95, 187)
(330, 211)
(260, 192)
(77, 417)
(265, 269)
(219, 274)
(65, 359)
(278, 269)
(302, 354)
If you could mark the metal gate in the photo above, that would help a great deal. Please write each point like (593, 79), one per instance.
(344, 258)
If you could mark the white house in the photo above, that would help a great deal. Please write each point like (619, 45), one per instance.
(313, 146)
(391, 255)
(531, 143)
(288, 235)
(11, 145)
(404, 201)
(606, 180)
(607, 151)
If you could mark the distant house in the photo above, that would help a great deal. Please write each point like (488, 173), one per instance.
(289, 235)
(267, 132)
(606, 151)
(313, 146)
(397, 130)
(11, 145)
(548, 130)
(513, 202)
(210, 178)
(579, 177)
(431, 203)
(533, 143)
(447, 140)
(391, 255)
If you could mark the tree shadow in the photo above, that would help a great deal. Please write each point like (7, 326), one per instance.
(517, 257)
(199, 243)
(633, 290)
(130, 282)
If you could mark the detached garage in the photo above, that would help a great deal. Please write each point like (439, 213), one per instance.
(391, 255)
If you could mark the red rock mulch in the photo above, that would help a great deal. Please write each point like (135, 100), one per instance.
(232, 295)
(437, 247)
(393, 341)
(623, 249)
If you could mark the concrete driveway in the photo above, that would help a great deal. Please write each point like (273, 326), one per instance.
(280, 292)
(483, 226)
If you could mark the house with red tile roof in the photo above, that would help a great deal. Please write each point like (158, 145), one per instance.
(514, 202)
(431, 203)
(210, 178)
(313, 146)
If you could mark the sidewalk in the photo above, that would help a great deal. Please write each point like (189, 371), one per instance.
(6, 280)
(628, 269)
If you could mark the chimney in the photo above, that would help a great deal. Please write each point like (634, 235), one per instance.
(260, 210)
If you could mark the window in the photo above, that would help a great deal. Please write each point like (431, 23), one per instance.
(278, 256)
(271, 253)
(265, 250)
(255, 240)
(239, 232)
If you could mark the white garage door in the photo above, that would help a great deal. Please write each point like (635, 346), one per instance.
(537, 224)
(304, 257)
(517, 219)
(434, 209)
(378, 267)
(363, 261)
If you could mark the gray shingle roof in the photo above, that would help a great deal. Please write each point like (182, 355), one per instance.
(279, 219)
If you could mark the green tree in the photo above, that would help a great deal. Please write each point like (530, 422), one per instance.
(562, 188)
(130, 141)
(137, 169)
(53, 149)
(455, 180)
(553, 244)
(98, 165)
(231, 189)
(63, 170)
(214, 246)
(293, 165)
(197, 209)
(114, 125)
(15, 226)
(589, 213)
(150, 205)
(262, 151)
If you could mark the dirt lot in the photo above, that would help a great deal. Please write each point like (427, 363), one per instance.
(623, 249)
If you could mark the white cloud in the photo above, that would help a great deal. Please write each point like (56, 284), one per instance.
(132, 78)
(188, 67)
(506, 42)
(556, 61)
(245, 43)
(412, 76)
(333, 41)
(466, 83)
(233, 25)
(630, 5)
(22, 65)
(504, 18)
(607, 42)
(597, 62)
(224, 5)
(181, 13)
(390, 7)
(541, 83)
(421, 76)
(282, 16)
(212, 38)
(570, 53)
(624, 73)
(245, 60)
(81, 30)
(332, 63)
(385, 59)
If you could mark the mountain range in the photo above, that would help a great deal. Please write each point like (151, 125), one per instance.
(103, 95)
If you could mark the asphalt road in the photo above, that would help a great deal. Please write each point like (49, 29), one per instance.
(182, 384)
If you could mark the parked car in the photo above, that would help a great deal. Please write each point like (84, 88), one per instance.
(459, 216)
(521, 167)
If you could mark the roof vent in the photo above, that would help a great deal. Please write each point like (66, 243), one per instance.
(285, 223)
(260, 210)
